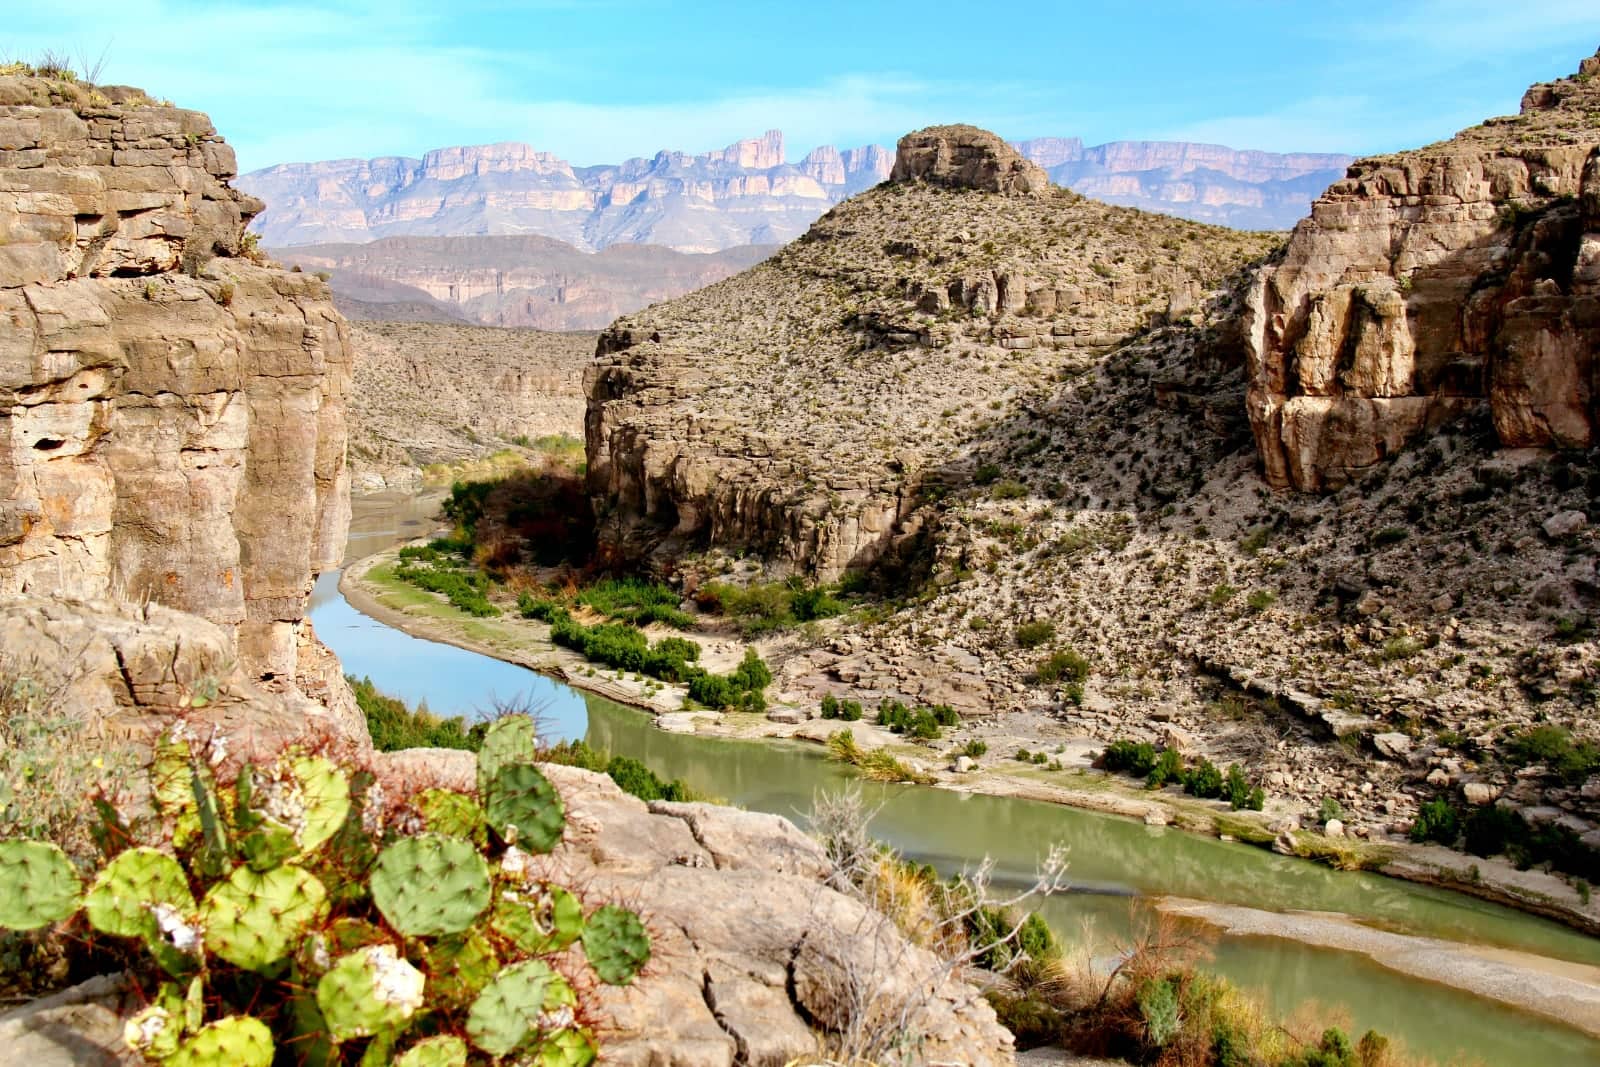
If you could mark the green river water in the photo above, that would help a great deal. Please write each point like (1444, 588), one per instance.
(1116, 863)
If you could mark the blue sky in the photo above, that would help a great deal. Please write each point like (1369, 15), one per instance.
(602, 80)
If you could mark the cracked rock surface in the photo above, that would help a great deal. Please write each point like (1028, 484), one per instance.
(172, 421)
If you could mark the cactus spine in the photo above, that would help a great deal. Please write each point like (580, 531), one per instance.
(430, 885)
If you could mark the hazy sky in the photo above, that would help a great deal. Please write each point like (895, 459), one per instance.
(601, 80)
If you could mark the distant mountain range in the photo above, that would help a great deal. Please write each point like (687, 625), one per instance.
(745, 194)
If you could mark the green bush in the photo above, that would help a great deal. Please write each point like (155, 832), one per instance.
(466, 591)
(635, 601)
(1033, 634)
(1241, 795)
(921, 723)
(1137, 759)
(1063, 666)
(291, 917)
(1203, 780)
(1169, 768)
(1437, 821)
(540, 608)
(975, 749)
(394, 726)
(1554, 747)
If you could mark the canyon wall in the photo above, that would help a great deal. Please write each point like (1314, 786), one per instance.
(1426, 283)
(172, 408)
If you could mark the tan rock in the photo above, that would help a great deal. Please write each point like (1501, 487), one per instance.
(965, 157)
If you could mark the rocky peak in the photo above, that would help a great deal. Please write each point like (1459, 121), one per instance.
(1429, 283)
(757, 153)
(965, 157)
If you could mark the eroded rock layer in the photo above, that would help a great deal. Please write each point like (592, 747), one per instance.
(171, 410)
(1428, 282)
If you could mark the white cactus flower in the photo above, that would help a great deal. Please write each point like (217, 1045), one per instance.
(180, 932)
(145, 1028)
(394, 981)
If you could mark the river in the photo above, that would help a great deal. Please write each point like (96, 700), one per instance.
(1116, 864)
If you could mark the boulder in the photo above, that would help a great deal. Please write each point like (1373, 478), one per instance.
(1564, 524)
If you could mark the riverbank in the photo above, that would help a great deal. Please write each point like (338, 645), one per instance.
(368, 588)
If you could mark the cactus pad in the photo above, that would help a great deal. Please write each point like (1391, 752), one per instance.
(445, 1051)
(524, 808)
(37, 885)
(565, 1048)
(237, 1041)
(460, 966)
(546, 918)
(306, 796)
(509, 740)
(155, 1032)
(616, 943)
(447, 812)
(254, 918)
(512, 1008)
(368, 991)
(430, 885)
(124, 899)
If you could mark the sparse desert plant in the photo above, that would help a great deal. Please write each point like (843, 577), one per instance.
(1035, 633)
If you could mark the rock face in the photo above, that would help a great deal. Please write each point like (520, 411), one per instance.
(806, 409)
(1431, 282)
(517, 281)
(965, 157)
(171, 411)
(428, 393)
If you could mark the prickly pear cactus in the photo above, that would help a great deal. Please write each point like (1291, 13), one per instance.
(367, 992)
(461, 965)
(445, 1051)
(135, 890)
(565, 1048)
(37, 885)
(237, 1041)
(304, 797)
(524, 809)
(543, 918)
(254, 919)
(155, 1031)
(430, 885)
(446, 812)
(616, 943)
(509, 740)
(511, 1009)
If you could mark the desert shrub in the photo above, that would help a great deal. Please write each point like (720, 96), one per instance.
(541, 608)
(1260, 600)
(1137, 759)
(1168, 768)
(1554, 747)
(752, 672)
(921, 723)
(1437, 821)
(1160, 1010)
(1033, 634)
(975, 749)
(1240, 794)
(395, 726)
(636, 601)
(296, 914)
(1491, 830)
(1221, 594)
(1064, 666)
(1203, 780)
(465, 591)
(810, 603)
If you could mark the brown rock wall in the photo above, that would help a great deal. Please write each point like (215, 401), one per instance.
(171, 411)
(1428, 282)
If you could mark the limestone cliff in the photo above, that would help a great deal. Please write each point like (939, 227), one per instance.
(1428, 282)
(171, 409)
(808, 408)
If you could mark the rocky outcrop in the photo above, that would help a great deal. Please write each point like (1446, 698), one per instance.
(537, 282)
(171, 410)
(806, 410)
(965, 157)
(1430, 282)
